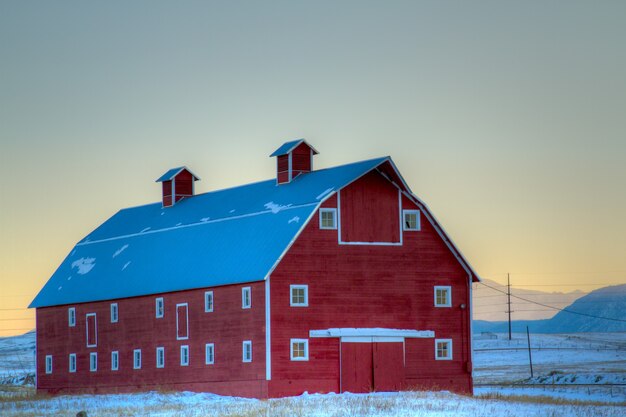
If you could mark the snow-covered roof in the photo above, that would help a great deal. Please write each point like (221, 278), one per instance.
(230, 236)
(170, 174)
(287, 147)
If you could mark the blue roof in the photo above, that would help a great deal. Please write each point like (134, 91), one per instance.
(172, 173)
(287, 147)
(230, 236)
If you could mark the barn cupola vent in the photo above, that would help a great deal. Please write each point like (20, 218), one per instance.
(292, 159)
(177, 183)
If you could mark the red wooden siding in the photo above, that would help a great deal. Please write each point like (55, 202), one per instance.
(184, 185)
(167, 193)
(138, 328)
(301, 160)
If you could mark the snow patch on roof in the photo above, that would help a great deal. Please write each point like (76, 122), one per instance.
(275, 208)
(145, 230)
(205, 219)
(120, 250)
(125, 265)
(324, 193)
(294, 219)
(84, 265)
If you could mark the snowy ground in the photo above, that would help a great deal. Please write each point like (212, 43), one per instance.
(17, 359)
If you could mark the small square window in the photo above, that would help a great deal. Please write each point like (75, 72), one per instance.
(159, 307)
(246, 297)
(160, 357)
(208, 301)
(299, 349)
(411, 220)
(48, 364)
(71, 316)
(209, 350)
(328, 218)
(115, 360)
(184, 355)
(93, 361)
(299, 295)
(72, 363)
(137, 359)
(114, 315)
(443, 296)
(443, 349)
(247, 351)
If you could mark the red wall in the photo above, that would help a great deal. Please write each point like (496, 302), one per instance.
(227, 327)
(301, 159)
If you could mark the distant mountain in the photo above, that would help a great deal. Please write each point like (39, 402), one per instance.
(490, 304)
(604, 302)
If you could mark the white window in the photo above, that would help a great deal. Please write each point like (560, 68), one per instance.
(328, 218)
(182, 321)
(299, 295)
(48, 364)
(93, 361)
(137, 359)
(71, 316)
(184, 355)
(247, 351)
(159, 307)
(91, 327)
(114, 314)
(443, 296)
(160, 357)
(299, 349)
(246, 297)
(115, 360)
(209, 353)
(411, 220)
(72, 364)
(443, 349)
(208, 301)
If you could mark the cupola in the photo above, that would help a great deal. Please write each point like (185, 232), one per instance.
(177, 184)
(292, 159)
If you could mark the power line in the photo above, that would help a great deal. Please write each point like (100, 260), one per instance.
(556, 308)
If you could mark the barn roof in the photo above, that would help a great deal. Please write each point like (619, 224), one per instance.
(287, 147)
(170, 174)
(209, 240)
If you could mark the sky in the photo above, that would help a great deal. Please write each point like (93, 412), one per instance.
(507, 118)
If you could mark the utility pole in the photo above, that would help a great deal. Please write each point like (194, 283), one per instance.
(530, 356)
(508, 294)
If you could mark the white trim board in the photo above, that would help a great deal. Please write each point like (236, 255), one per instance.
(371, 332)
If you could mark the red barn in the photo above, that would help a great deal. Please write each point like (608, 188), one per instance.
(329, 280)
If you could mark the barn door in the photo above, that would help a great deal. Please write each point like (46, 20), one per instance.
(91, 330)
(388, 366)
(367, 366)
(182, 324)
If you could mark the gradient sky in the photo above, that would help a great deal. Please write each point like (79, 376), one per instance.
(507, 118)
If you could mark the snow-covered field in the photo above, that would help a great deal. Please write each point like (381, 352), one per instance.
(558, 360)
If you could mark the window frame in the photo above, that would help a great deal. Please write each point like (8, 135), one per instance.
(115, 364)
(448, 289)
(184, 358)
(244, 358)
(418, 221)
(208, 301)
(178, 324)
(136, 358)
(211, 347)
(449, 350)
(95, 330)
(71, 365)
(93, 361)
(71, 317)
(160, 357)
(334, 214)
(48, 364)
(306, 350)
(115, 313)
(304, 287)
(244, 291)
(159, 313)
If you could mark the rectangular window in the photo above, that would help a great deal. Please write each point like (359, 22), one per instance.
(299, 349)
(160, 357)
(209, 353)
(247, 351)
(443, 296)
(92, 330)
(443, 349)
(114, 313)
(299, 295)
(208, 301)
(182, 322)
(137, 359)
(93, 361)
(71, 316)
(246, 297)
(184, 355)
(328, 218)
(159, 307)
(115, 360)
(411, 220)
(48, 364)
(72, 363)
